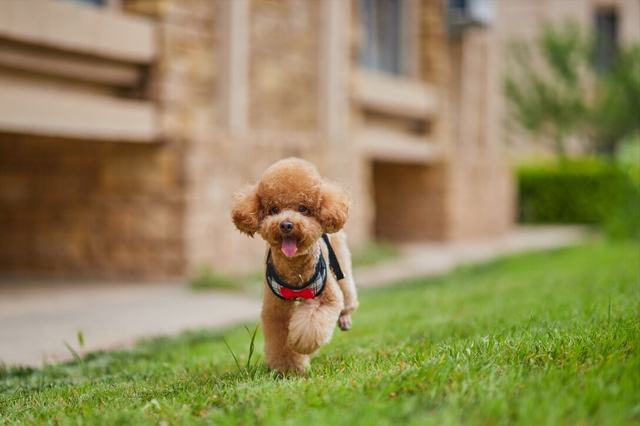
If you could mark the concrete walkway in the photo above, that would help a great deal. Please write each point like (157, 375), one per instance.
(36, 318)
(429, 259)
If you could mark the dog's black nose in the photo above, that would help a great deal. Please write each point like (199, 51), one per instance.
(286, 226)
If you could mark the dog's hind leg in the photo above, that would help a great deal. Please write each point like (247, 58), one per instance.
(314, 320)
(276, 315)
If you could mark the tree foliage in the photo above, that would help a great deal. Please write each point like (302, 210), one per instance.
(555, 90)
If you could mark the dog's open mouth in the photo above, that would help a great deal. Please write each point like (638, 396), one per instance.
(289, 246)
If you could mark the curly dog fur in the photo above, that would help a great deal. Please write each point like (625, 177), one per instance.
(291, 206)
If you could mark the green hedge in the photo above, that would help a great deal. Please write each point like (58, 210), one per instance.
(625, 220)
(577, 191)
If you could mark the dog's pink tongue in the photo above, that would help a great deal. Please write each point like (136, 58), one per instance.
(289, 247)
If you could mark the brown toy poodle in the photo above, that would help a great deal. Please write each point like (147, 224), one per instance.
(293, 208)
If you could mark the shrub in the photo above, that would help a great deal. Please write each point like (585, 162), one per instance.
(575, 191)
(624, 222)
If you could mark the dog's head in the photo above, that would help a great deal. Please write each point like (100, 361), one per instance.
(291, 206)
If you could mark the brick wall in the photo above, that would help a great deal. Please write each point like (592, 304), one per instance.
(282, 115)
(468, 192)
(283, 71)
(481, 199)
(116, 209)
(448, 201)
(480, 186)
(410, 202)
(282, 121)
(88, 209)
(435, 68)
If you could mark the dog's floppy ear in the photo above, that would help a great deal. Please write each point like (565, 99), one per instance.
(334, 207)
(245, 209)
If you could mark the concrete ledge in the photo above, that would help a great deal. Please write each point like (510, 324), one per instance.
(95, 31)
(385, 144)
(393, 95)
(72, 66)
(50, 111)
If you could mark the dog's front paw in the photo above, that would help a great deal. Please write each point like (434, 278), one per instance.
(289, 369)
(295, 364)
(344, 322)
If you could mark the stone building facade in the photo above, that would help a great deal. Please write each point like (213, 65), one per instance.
(124, 128)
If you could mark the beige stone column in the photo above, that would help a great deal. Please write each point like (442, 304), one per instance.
(235, 65)
(332, 106)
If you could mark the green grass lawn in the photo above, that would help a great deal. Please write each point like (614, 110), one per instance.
(540, 339)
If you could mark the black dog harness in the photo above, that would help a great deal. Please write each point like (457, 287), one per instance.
(312, 288)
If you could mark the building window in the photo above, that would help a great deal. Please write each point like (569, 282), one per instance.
(91, 2)
(386, 41)
(606, 23)
(468, 13)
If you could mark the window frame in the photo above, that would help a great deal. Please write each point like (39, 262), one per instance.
(369, 56)
(607, 39)
(111, 5)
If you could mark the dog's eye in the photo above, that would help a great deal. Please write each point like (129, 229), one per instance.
(275, 210)
(302, 209)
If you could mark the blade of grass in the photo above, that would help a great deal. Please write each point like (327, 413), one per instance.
(251, 345)
(77, 357)
(232, 354)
